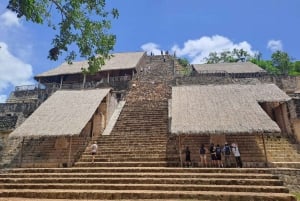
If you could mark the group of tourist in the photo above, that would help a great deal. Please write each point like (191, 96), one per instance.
(216, 153)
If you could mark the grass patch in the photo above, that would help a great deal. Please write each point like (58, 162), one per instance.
(297, 196)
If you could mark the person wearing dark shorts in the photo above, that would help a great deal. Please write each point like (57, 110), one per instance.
(212, 151)
(188, 157)
(218, 156)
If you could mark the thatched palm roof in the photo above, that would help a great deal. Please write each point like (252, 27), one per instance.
(239, 67)
(224, 109)
(119, 61)
(63, 113)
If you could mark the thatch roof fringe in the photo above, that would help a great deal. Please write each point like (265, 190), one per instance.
(239, 67)
(66, 112)
(119, 61)
(223, 109)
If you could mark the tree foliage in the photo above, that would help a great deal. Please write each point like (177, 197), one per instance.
(183, 61)
(266, 65)
(186, 65)
(227, 56)
(84, 23)
(279, 64)
(282, 61)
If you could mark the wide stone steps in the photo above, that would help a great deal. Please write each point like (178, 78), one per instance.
(127, 164)
(120, 159)
(140, 175)
(127, 151)
(158, 187)
(150, 180)
(140, 170)
(280, 152)
(146, 194)
(137, 183)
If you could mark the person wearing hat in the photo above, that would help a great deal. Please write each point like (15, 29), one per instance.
(237, 155)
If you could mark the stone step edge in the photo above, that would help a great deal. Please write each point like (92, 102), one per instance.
(228, 188)
(143, 194)
(142, 169)
(164, 174)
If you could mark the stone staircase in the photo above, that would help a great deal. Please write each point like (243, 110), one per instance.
(138, 183)
(140, 135)
(281, 152)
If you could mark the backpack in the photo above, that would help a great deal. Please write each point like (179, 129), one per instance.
(218, 150)
(227, 150)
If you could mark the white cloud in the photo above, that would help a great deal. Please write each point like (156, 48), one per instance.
(151, 47)
(3, 98)
(13, 71)
(9, 19)
(274, 45)
(196, 50)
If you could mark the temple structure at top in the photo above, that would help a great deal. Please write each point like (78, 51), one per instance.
(120, 68)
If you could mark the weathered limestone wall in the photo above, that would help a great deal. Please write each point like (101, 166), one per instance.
(290, 177)
(12, 108)
(202, 80)
(296, 127)
(3, 142)
(8, 123)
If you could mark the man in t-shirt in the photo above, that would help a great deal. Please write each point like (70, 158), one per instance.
(237, 155)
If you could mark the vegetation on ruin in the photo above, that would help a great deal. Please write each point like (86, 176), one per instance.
(227, 56)
(297, 196)
(184, 62)
(280, 62)
(82, 24)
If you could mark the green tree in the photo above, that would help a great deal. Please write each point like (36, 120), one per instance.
(84, 23)
(186, 65)
(297, 66)
(213, 58)
(266, 65)
(227, 56)
(282, 61)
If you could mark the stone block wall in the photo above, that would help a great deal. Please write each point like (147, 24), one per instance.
(202, 80)
(8, 122)
(290, 177)
(13, 108)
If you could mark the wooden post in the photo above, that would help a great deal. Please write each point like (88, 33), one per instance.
(61, 81)
(265, 150)
(108, 77)
(84, 80)
(21, 152)
(70, 150)
(179, 150)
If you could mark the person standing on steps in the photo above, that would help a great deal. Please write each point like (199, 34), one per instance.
(94, 149)
(203, 161)
(212, 151)
(227, 152)
(188, 156)
(237, 155)
(219, 156)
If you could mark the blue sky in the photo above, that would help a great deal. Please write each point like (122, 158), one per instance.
(192, 28)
